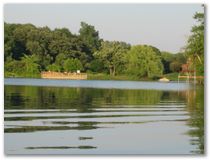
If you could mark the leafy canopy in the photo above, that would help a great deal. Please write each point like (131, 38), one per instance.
(144, 62)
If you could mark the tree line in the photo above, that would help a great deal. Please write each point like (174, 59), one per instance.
(28, 50)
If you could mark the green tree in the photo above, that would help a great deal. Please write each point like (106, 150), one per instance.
(64, 32)
(31, 66)
(9, 42)
(97, 65)
(180, 57)
(26, 67)
(60, 59)
(14, 68)
(144, 62)
(172, 62)
(166, 59)
(195, 45)
(113, 55)
(72, 65)
(21, 35)
(156, 50)
(90, 36)
(175, 66)
(54, 67)
(36, 48)
(70, 46)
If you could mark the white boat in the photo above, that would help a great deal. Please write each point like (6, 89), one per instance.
(164, 79)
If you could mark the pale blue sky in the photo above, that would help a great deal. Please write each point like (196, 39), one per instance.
(165, 26)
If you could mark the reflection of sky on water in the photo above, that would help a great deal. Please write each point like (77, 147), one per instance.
(98, 84)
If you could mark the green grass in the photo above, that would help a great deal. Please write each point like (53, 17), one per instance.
(20, 75)
(103, 76)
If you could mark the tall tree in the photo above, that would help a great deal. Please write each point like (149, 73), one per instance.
(9, 43)
(113, 55)
(172, 62)
(195, 46)
(90, 36)
(144, 62)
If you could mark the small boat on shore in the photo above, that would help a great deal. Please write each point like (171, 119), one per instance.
(164, 79)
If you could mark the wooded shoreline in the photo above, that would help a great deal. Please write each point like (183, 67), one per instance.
(40, 49)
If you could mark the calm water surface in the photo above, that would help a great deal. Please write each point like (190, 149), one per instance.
(102, 117)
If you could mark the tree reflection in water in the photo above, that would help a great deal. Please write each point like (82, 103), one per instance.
(195, 107)
(86, 100)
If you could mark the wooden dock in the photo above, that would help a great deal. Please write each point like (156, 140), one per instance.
(191, 77)
(63, 75)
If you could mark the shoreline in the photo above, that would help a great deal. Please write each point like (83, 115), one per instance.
(173, 77)
(100, 84)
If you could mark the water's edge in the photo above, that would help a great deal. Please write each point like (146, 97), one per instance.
(103, 84)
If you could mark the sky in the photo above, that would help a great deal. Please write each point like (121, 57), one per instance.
(165, 26)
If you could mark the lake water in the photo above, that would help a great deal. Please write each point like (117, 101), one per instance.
(102, 117)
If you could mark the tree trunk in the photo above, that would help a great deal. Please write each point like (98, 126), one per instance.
(113, 71)
(110, 70)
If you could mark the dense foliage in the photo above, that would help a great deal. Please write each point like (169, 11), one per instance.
(144, 62)
(113, 56)
(195, 46)
(28, 50)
